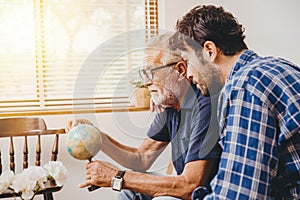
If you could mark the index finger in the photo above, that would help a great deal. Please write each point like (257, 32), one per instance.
(85, 184)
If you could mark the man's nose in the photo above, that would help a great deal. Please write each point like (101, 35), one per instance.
(148, 82)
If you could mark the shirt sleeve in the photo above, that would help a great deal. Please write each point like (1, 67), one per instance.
(158, 129)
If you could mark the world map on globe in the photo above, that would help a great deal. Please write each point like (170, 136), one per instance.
(84, 141)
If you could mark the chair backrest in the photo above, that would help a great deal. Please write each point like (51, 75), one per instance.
(27, 126)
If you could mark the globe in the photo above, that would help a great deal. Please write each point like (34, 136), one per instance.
(84, 141)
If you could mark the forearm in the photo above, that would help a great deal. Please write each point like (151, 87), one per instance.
(138, 159)
(124, 155)
(176, 186)
(195, 174)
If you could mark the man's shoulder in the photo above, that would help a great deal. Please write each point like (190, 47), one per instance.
(264, 70)
(263, 76)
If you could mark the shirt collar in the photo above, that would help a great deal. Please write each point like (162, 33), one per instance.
(244, 58)
(190, 97)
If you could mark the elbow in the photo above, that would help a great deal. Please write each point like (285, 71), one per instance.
(187, 192)
(141, 164)
(142, 167)
(186, 188)
(178, 187)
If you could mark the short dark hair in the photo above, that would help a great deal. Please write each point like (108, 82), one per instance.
(210, 23)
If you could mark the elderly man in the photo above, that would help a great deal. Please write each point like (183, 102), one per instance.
(184, 123)
(259, 109)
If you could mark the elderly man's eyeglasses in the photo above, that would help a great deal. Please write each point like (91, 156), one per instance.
(148, 73)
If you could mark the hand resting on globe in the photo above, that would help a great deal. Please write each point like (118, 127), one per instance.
(72, 123)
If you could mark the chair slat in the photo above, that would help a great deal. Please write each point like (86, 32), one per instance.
(38, 151)
(25, 153)
(12, 155)
(55, 148)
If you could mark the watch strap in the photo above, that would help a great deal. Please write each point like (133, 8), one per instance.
(120, 174)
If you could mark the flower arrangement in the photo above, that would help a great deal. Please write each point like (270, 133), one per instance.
(141, 94)
(33, 179)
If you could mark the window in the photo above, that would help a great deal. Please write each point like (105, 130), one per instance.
(64, 56)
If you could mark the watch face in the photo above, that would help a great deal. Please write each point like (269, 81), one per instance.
(117, 184)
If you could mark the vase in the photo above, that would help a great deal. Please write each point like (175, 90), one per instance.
(141, 98)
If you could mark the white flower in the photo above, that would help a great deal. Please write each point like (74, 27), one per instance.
(33, 179)
(38, 174)
(6, 179)
(58, 171)
(23, 183)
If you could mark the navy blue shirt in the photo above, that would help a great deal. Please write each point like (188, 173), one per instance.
(187, 128)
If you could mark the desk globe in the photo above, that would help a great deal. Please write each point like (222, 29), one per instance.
(84, 141)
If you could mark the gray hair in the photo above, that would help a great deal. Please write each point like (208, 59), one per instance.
(162, 43)
(174, 44)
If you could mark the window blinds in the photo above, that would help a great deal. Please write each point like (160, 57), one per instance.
(71, 55)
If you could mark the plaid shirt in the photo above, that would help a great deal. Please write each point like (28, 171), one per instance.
(259, 116)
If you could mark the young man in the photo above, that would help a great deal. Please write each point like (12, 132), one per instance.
(184, 123)
(259, 109)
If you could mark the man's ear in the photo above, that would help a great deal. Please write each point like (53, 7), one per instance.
(181, 67)
(211, 49)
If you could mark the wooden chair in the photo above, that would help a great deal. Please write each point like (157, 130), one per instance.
(25, 127)
(170, 167)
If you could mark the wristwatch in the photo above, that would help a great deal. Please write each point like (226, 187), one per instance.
(117, 181)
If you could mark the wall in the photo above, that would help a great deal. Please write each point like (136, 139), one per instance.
(271, 26)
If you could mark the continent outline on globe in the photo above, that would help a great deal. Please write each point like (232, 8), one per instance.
(84, 141)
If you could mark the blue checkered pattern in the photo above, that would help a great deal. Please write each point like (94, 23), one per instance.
(259, 116)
